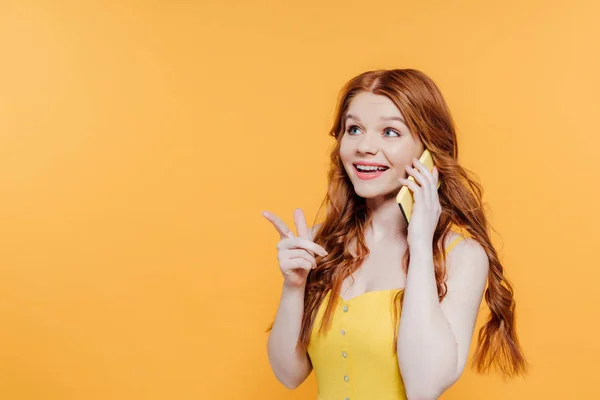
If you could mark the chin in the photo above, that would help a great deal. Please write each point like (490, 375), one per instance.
(370, 192)
(383, 191)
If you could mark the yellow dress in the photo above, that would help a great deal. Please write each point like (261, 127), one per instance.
(355, 359)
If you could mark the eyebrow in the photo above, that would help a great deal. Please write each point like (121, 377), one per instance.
(399, 119)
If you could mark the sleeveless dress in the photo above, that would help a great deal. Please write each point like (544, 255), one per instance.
(354, 360)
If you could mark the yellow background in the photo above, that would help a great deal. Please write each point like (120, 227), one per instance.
(139, 142)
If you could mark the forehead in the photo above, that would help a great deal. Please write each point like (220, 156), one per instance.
(369, 106)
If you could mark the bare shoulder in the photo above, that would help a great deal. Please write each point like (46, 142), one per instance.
(467, 260)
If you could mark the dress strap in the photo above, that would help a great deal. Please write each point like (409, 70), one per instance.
(463, 235)
(454, 243)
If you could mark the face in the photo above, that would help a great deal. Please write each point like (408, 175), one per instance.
(377, 134)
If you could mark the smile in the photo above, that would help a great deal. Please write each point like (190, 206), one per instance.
(366, 175)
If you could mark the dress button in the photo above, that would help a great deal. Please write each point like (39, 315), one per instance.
(345, 308)
(346, 378)
(343, 332)
(344, 354)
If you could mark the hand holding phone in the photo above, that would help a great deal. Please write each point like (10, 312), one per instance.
(405, 197)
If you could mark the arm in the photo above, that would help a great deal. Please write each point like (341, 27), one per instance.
(434, 338)
(290, 367)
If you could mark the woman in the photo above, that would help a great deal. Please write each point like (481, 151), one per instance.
(382, 309)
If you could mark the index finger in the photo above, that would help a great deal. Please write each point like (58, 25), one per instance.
(281, 227)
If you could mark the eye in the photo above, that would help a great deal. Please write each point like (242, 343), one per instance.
(392, 130)
(351, 128)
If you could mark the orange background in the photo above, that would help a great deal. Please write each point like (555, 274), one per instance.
(139, 142)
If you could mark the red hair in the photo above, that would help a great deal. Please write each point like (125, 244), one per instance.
(427, 115)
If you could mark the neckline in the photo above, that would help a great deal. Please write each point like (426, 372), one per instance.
(365, 294)
(461, 231)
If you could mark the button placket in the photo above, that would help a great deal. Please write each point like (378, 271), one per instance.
(344, 353)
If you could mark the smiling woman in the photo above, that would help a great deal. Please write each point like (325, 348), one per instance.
(374, 122)
(383, 309)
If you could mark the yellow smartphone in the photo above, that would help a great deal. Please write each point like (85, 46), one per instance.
(405, 197)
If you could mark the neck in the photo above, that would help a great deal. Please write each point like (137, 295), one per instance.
(386, 219)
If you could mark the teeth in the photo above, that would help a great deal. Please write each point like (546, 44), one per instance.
(370, 168)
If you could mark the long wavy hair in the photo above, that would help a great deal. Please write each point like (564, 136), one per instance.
(342, 232)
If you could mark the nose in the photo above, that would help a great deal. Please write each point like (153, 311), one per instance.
(367, 144)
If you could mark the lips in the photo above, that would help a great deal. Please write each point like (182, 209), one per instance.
(380, 167)
(370, 165)
(368, 175)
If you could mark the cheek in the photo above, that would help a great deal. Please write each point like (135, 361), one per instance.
(400, 159)
(401, 165)
(345, 153)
